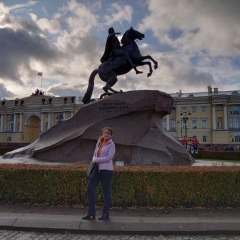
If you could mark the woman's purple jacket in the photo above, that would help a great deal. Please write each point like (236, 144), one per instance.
(105, 161)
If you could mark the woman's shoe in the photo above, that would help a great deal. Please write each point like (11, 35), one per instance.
(103, 217)
(88, 217)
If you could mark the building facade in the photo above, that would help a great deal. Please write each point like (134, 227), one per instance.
(212, 116)
(22, 120)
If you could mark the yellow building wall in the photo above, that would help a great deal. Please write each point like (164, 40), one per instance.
(218, 106)
(35, 117)
(220, 137)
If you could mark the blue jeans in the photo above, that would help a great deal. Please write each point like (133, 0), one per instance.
(105, 177)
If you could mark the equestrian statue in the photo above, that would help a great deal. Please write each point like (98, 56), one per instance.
(118, 60)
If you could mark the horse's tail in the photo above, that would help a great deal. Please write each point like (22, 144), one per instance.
(89, 91)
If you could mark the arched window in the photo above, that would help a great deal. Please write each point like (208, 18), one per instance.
(235, 138)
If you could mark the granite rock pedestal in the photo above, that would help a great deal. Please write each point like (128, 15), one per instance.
(138, 132)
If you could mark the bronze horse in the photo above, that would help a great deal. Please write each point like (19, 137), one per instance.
(117, 65)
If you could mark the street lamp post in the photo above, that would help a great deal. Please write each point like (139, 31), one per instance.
(185, 119)
(181, 125)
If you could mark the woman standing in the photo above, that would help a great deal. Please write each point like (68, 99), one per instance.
(103, 157)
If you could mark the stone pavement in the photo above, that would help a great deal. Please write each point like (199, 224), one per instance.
(24, 235)
(122, 221)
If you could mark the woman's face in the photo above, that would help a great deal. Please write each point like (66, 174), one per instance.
(107, 134)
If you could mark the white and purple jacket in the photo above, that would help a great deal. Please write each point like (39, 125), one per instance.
(105, 161)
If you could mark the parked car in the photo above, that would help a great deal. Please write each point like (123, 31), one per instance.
(230, 148)
(210, 149)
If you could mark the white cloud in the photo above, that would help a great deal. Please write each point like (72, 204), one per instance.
(202, 42)
(118, 14)
(52, 26)
(81, 20)
(24, 5)
(4, 93)
(202, 25)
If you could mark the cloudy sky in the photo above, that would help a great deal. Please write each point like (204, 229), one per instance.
(196, 42)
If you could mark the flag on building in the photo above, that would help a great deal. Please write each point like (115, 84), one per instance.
(39, 74)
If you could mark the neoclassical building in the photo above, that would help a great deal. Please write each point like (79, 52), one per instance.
(22, 120)
(213, 116)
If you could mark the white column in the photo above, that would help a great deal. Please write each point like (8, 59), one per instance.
(225, 117)
(168, 128)
(214, 117)
(64, 115)
(20, 123)
(49, 120)
(71, 113)
(14, 122)
(42, 119)
(2, 122)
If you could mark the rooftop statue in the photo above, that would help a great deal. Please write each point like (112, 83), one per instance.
(118, 60)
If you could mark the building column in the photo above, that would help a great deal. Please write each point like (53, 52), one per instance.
(168, 128)
(14, 122)
(20, 123)
(2, 122)
(214, 117)
(71, 113)
(42, 121)
(64, 115)
(49, 120)
(225, 117)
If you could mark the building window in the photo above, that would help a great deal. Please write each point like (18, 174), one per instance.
(204, 139)
(173, 124)
(164, 124)
(10, 123)
(204, 123)
(235, 118)
(235, 122)
(60, 117)
(8, 139)
(204, 109)
(219, 122)
(194, 123)
(236, 138)
(173, 111)
(184, 109)
(194, 109)
(235, 110)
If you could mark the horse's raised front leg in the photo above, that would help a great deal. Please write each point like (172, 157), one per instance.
(150, 67)
(154, 61)
(150, 58)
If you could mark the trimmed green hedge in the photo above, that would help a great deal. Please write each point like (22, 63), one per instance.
(218, 155)
(183, 186)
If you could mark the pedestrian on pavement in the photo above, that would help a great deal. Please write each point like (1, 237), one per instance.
(103, 157)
